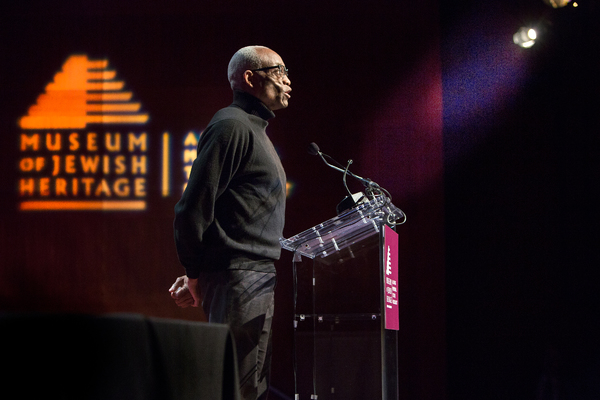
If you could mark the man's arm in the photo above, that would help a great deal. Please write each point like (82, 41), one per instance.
(221, 150)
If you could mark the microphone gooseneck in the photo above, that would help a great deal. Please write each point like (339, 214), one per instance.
(313, 149)
(372, 189)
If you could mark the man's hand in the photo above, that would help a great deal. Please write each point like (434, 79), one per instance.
(186, 292)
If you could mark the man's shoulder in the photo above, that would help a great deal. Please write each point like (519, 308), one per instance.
(229, 123)
(230, 115)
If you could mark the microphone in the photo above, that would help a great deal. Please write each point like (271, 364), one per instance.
(352, 200)
(372, 189)
(313, 149)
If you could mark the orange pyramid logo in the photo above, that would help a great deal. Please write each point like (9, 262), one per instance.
(83, 92)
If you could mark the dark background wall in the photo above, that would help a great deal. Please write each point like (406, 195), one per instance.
(365, 87)
(521, 195)
(490, 150)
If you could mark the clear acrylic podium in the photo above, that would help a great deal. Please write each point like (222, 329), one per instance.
(345, 300)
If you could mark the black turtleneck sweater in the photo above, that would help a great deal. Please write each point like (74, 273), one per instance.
(231, 214)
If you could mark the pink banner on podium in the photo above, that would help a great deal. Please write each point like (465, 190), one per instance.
(390, 278)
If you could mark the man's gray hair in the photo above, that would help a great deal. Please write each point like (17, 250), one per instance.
(244, 59)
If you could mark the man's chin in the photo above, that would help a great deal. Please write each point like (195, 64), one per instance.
(279, 106)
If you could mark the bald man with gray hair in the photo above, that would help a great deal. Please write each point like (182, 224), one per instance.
(231, 215)
(246, 58)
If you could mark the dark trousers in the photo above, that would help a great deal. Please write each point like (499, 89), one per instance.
(244, 300)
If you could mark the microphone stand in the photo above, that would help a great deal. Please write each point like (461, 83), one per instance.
(372, 189)
(346, 171)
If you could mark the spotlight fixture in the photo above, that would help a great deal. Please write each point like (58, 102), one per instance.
(557, 3)
(525, 37)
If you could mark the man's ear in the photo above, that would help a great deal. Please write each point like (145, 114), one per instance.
(248, 75)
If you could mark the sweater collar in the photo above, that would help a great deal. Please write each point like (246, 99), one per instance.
(251, 105)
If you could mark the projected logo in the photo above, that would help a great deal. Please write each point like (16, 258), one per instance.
(82, 143)
(84, 92)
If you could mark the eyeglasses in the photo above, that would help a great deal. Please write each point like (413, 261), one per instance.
(281, 70)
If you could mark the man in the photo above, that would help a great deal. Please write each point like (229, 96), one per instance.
(231, 215)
